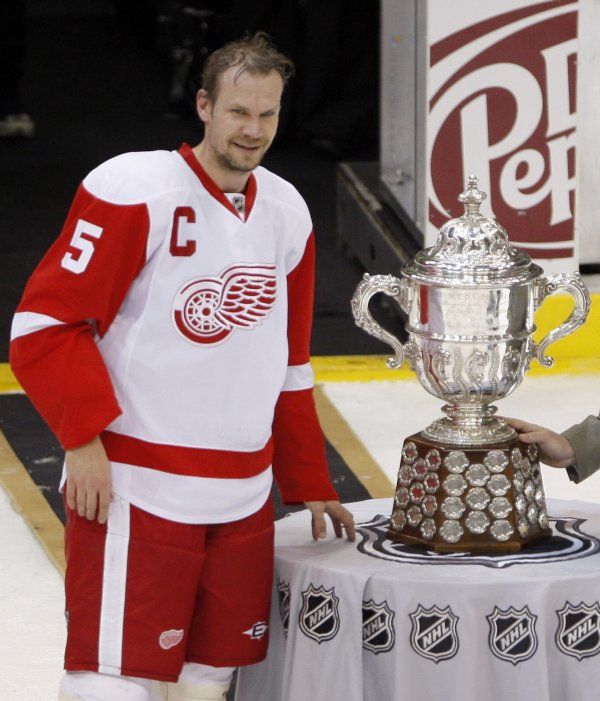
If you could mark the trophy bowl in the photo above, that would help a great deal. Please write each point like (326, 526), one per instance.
(470, 302)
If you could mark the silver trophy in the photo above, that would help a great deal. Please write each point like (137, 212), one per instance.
(466, 482)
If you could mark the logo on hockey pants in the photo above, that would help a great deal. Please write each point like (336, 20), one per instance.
(257, 631)
(578, 633)
(170, 638)
(512, 634)
(209, 309)
(434, 633)
(319, 616)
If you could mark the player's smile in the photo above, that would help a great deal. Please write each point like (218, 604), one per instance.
(244, 147)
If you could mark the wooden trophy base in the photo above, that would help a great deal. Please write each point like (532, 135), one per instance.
(469, 498)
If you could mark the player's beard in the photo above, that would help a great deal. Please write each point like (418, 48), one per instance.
(228, 160)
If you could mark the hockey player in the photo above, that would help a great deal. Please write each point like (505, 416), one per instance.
(165, 339)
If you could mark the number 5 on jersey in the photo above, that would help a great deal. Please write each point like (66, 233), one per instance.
(78, 263)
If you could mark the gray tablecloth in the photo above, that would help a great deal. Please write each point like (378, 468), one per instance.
(376, 621)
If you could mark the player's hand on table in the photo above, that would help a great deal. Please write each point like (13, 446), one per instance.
(555, 450)
(341, 518)
(88, 480)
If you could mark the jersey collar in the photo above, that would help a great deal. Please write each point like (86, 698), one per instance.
(213, 189)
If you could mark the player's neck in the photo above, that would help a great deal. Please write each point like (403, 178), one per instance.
(227, 180)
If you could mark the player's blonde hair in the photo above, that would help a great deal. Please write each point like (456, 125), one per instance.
(253, 53)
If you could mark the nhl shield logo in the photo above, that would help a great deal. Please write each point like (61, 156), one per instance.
(578, 633)
(283, 593)
(319, 616)
(378, 627)
(512, 634)
(433, 633)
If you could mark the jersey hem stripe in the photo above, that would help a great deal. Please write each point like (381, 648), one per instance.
(193, 462)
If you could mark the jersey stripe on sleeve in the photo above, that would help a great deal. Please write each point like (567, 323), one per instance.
(298, 377)
(30, 322)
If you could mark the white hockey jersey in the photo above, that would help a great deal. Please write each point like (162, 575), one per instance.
(179, 331)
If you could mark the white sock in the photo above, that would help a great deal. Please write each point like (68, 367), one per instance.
(92, 686)
(195, 673)
(200, 681)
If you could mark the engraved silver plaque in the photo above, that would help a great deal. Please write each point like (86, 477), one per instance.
(518, 481)
(516, 457)
(451, 531)
(402, 497)
(428, 528)
(501, 530)
(420, 468)
(477, 522)
(539, 497)
(477, 498)
(398, 520)
(453, 507)
(500, 507)
(456, 461)
(477, 475)
(498, 485)
(410, 453)
(414, 516)
(532, 513)
(496, 460)
(433, 459)
(520, 504)
(523, 527)
(417, 492)
(432, 483)
(405, 475)
(429, 505)
(529, 490)
(455, 485)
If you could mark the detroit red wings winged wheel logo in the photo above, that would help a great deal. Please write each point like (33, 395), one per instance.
(209, 309)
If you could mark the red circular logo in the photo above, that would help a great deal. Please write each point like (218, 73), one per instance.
(209, 309)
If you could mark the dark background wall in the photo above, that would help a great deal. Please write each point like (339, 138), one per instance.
(101, 77)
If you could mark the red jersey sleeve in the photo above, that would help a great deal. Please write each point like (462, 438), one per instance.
(72, 298)
(299, 462)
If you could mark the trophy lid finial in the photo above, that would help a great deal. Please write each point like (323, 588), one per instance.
(472, 197)
(472, 249)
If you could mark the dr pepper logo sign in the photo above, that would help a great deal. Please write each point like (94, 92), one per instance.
(502, 106)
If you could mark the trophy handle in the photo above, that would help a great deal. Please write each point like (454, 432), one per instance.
(396, 288)
(559, 282)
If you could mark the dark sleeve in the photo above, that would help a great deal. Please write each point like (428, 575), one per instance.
(585, 439)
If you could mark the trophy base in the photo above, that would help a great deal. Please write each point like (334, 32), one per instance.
(486, 498)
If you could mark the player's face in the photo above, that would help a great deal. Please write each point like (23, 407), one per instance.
(240, 124)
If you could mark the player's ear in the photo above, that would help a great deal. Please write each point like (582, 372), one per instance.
(203, 105)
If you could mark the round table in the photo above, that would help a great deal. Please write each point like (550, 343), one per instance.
(379, 621)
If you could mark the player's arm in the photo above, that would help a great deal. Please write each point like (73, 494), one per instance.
(72, 298)
(299, 463)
